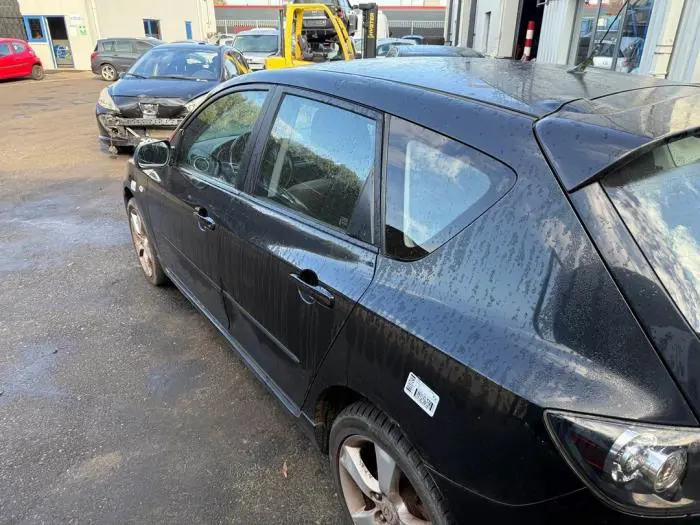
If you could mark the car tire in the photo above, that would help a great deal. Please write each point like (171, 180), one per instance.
(145, 250)
(37, 72)
(108, 72)
(363, 436)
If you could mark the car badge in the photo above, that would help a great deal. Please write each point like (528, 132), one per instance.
(148, 110)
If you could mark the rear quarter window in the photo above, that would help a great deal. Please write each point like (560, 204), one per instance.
(107, 45)
(435, 187)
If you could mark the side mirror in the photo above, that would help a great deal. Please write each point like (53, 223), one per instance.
(152, 154)
(121, 75)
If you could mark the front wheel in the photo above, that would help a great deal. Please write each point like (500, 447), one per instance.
(37, 72)
(144, 247)
(379, 475)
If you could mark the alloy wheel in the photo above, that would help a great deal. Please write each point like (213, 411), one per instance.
(375, 489)
(140, 238)
(108, 72)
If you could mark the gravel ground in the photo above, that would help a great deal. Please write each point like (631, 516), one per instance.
(119, 402)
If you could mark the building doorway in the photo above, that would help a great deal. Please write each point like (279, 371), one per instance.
(530, 11)
(60, 45)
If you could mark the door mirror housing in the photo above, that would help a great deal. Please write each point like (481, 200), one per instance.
(154, 154)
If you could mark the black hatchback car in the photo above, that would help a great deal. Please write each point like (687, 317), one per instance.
(166, 84)
(478, 291)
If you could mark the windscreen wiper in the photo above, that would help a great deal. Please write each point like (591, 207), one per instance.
(179, 77)
(134, 75)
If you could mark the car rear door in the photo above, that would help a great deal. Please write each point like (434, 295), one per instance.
(188, 203)
(124, 55)
(24, 60)
(298, 252)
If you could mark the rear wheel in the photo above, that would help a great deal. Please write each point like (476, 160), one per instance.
(379, 475)
(37, 72)
(144, 248)
(108, 72)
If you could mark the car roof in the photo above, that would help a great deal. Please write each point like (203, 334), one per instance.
(586, 123)
(529, 88)
(259, 31)
(436, 50)
(192, 46)
(392, 39)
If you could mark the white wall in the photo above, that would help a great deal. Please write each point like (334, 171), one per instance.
(111, 18)
(498, 38)
(685, 60)
(557, 28)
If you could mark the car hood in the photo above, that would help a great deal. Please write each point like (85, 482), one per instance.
(167, 97)
(161, 88)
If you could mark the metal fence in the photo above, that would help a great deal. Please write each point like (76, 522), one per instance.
(404, 26)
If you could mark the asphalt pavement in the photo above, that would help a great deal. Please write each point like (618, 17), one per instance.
(119, 403)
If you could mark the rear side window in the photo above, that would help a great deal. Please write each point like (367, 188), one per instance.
(435, 187)
(19, 47)
(108, 45)
(123, 46)
(4, 49)
(658, 198)
(318, 160)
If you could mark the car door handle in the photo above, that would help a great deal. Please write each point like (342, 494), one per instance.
(307, 282)
(204, 222)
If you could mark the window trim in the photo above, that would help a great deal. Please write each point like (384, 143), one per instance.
(261, 142)
(249, 149)
(42, 23)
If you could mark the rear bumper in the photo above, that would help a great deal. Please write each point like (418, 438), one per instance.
(580, 507)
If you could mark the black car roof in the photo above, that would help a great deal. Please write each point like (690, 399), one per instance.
(586, 122)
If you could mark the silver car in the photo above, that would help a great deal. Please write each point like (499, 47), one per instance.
(256, 45)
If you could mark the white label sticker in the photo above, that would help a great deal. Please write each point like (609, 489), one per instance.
(421, 394)
(133, 185)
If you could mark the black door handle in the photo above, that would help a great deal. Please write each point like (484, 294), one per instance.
(307, 282)
(204, 222)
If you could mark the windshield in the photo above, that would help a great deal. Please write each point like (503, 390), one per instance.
(187, 64)
(256, 43)
(658, 198)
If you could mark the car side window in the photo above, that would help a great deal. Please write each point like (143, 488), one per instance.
(123, 46)
(317, 160)
(108, 46)
(5, 50)
(19, 47)
(435, 187)
(230, 69)
(215, 141)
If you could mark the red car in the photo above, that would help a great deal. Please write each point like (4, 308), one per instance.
(17, 59)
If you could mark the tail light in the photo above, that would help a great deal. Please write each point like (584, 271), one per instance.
(93, 55)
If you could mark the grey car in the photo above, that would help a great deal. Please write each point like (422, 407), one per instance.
(256, 45)
(116, 55)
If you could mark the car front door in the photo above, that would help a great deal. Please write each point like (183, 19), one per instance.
(299, 252)
(187, 205)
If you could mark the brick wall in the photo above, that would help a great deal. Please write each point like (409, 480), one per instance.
(11, 24)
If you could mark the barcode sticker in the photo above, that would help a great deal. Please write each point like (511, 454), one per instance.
(421, 393)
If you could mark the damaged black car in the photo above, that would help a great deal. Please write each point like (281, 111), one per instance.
(160, 90)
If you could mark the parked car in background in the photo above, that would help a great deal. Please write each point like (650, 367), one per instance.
(317, 26)
(483, 304)
(116, 55)
(628, 55)
(432, 51)
(161, 89)
(256, 45)
(17, 59)
(385, 44)
(418, 39)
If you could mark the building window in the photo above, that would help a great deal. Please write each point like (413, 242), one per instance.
(151, 28)
(35, 29)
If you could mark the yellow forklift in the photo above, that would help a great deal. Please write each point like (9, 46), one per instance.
(295, 50)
